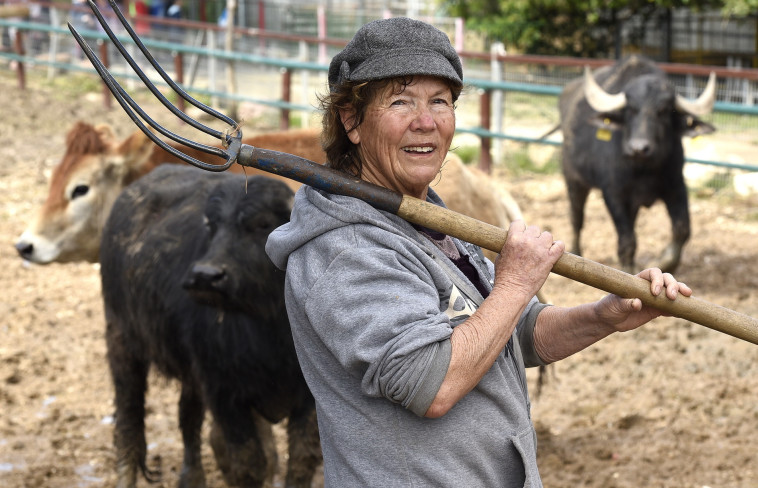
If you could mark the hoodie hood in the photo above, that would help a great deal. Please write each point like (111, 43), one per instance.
(316, 213)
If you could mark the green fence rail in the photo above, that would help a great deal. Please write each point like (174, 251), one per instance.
(251, 62)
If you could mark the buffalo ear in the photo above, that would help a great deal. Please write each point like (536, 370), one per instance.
(693, 126)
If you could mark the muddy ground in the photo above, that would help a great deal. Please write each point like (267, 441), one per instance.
(674, 404)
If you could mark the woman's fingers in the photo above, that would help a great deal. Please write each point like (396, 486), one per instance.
(660, 281)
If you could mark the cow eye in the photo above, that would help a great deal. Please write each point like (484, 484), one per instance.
(209, 224)
(79, 191)
(261, 224)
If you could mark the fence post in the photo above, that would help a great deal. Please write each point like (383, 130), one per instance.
(212, 68)
(103, 48)
(284, 120)
(496, 68)
(20, 70)
(321, 19)
(179, 77)
(261, 26)
(305, 76)
(485, 158)
(459, 34)
(52, 55)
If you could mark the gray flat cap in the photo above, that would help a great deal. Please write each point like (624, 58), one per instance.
(396, 47)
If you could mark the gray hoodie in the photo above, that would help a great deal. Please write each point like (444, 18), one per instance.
(372, 305)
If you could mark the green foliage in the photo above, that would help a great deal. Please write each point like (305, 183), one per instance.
(73, 85)
(468, 154)
(585, 28)
(519, 163)
(740, 8)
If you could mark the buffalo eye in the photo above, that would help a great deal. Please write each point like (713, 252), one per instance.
(79, 191)
(616, 117)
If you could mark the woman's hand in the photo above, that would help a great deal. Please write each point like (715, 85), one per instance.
(526, 259)
(625, 314)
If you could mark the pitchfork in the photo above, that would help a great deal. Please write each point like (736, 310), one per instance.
(411, 209)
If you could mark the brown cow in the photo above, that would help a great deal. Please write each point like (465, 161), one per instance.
(96, 167)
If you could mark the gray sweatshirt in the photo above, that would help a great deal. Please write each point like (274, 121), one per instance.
(372, 305)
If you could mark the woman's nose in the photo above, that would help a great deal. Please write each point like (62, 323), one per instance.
(423, 120)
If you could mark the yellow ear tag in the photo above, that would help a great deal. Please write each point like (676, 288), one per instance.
(602, 133)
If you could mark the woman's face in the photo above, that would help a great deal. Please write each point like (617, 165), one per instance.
(405, 136)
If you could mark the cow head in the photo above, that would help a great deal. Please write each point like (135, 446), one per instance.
(235, 272)
(649, 112)
(93, 171)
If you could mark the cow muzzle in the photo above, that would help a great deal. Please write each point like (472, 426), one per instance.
(207, 282)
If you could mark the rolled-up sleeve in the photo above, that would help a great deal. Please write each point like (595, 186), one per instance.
(419, 400)
(525, 332)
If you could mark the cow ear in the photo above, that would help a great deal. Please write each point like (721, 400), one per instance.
(693, 127)
(106, 134)
(136, 150)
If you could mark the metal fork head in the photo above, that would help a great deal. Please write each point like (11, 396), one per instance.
(279, 163)
(230, 139)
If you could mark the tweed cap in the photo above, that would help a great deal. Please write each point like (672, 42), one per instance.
(398, 46)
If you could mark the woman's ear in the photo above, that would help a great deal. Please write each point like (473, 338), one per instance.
(347, 117)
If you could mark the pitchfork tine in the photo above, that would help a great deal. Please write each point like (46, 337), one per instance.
(160, 70)
(232, 142)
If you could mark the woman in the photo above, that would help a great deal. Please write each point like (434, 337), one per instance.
(413, 344)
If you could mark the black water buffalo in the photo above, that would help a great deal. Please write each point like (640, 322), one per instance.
(189, 289)
(622, 132)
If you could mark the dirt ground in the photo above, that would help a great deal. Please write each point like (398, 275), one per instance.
(673, 404)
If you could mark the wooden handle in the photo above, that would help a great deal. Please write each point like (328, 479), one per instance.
(493, 238)
(584, 271)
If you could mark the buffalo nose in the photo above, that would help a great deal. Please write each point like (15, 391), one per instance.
(639, 147)
(25, 249)
(205, 276)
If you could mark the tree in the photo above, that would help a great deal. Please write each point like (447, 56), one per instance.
(584, 28)
(740, 8)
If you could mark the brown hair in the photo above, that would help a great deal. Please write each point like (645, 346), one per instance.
(341, 153)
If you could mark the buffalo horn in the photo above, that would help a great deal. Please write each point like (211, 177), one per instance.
(600, 100)
(704, 103)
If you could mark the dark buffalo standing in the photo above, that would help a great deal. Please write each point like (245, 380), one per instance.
(622, 133)
(189, 289)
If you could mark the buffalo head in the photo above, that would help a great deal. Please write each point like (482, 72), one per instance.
(649, 111)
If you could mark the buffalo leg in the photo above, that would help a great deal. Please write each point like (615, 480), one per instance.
(624, 214)
(191, 412)
(304, 447)
(678, 209)
(129, 374)
(577, 193)
(244, 447)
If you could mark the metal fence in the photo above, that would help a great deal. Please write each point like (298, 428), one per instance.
(509, 98)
